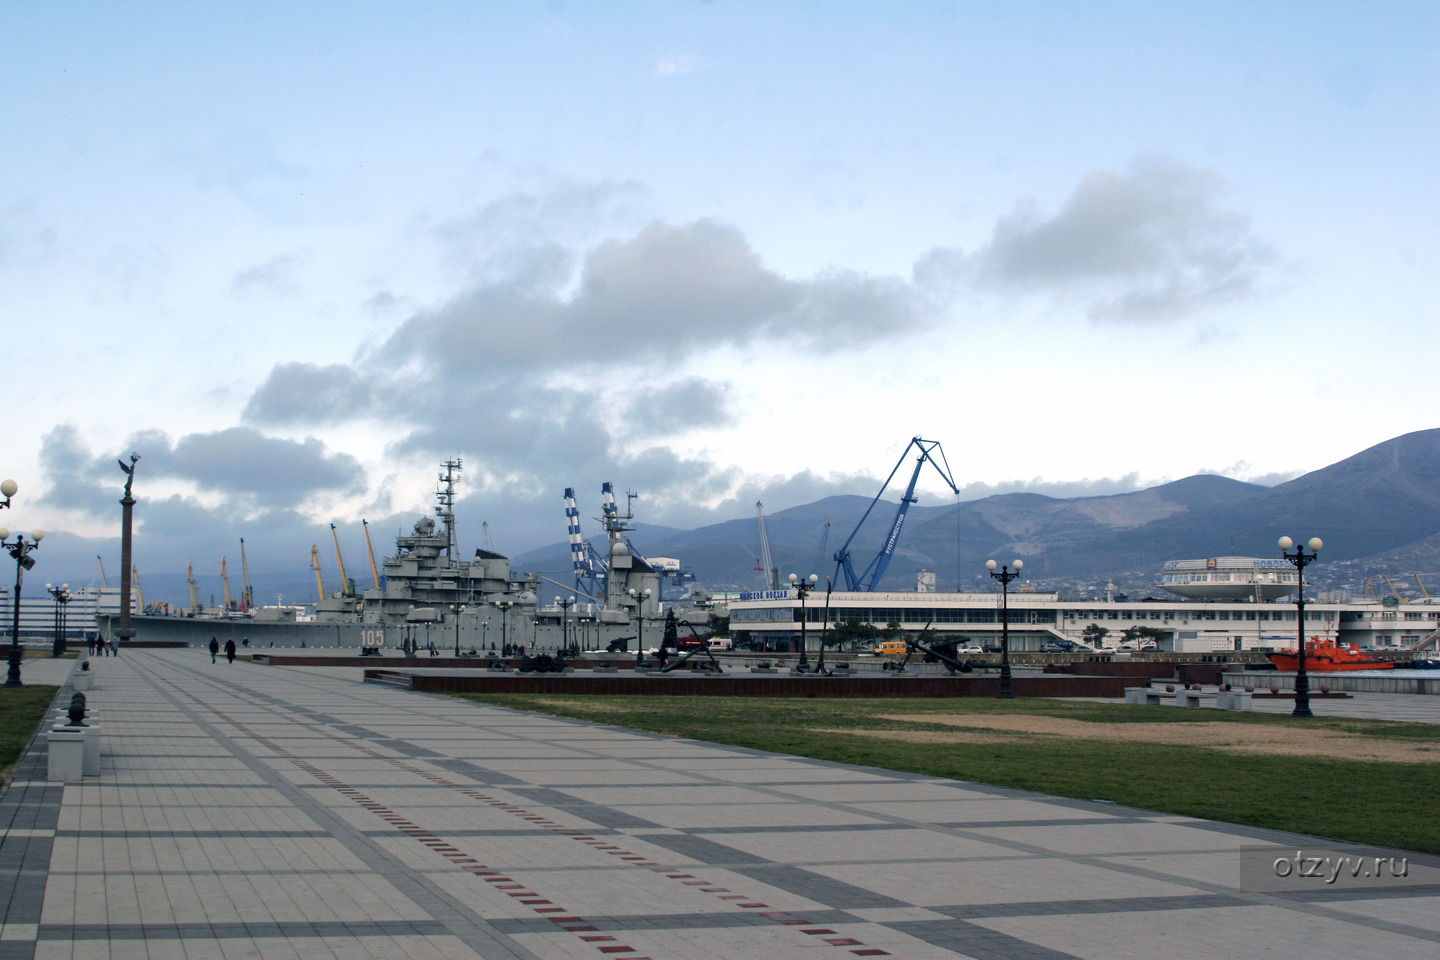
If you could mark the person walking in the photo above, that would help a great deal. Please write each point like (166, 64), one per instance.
(214, 648)
(230, 649)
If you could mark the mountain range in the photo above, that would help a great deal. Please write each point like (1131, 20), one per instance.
(1377, 511)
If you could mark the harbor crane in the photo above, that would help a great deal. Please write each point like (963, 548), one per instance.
(347, 586)
(315, 565)
(374, 570)
(247, 595)
(225, 582)
(105, 582)
(771, 574)
(139, 594)
(824, 542)
(927, 451)
(190, 579)
(591, 570)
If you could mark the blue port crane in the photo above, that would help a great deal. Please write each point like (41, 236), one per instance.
(928, 451)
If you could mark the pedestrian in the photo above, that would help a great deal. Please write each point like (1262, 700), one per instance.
(245, 642)
(230, 649)
(214, 648)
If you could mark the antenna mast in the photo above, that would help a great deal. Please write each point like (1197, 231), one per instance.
(446, 496)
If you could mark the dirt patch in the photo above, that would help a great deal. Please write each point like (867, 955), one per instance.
(1239, 737)
(582, 707)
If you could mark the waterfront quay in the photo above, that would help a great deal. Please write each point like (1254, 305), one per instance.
(249, 810)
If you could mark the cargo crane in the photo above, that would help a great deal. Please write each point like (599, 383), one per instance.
(591, 570)
(370, 547)
(225, 582)
(247, 595)
(824, 542)
(315, 565)
(190, 579)
(771, 573)
(928, 451)
(105, 582)
(347, 586)
(139, 594)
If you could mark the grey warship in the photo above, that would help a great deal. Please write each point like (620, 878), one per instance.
(430, 599)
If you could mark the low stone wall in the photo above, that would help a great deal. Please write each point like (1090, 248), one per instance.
(746, 685)
(1339, 682)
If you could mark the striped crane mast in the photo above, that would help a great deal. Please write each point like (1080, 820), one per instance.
(589, 570)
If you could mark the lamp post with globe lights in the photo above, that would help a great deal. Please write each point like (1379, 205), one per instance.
(639, 597)
(802, 590)
(62, 597)
(7, 490)
(1005, 575)
(20, 550)
(1299, 559)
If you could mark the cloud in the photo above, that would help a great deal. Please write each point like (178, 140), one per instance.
(241, 463)
(276, 275)
(674, 66)
(306, 393)
(73, 476)
(680, 406)
(1153, 244)
(519, 374)
(501, 239)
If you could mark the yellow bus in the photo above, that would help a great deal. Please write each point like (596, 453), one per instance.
(890, 648)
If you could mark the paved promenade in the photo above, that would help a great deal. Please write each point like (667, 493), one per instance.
(253, 811)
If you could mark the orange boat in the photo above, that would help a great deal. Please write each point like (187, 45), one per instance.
(1327, 656)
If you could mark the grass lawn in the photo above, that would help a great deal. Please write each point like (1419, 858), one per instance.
(21, 710)
(1383, 803)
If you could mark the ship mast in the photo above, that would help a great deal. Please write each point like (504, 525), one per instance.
(446, 496)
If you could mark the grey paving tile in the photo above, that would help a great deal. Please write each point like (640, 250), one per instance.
(281, 812)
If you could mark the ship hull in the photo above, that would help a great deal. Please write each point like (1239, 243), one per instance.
(1323, 663)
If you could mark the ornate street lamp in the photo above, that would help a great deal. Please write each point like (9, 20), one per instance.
(802, 590)
(1300, 559)
(1005, 575)
(20, 550)
(61, 596)
(7, 490)
(639, 598)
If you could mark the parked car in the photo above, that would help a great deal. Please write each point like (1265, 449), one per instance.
(991, 648)
(972, 649)
(1065, 646)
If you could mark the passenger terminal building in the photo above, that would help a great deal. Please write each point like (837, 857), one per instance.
(1230, 603)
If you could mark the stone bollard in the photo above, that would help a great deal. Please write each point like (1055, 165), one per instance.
(66, 746)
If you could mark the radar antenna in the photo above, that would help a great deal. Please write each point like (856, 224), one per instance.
(446, 496)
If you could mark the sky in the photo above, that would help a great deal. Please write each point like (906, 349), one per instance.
(295, 255)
